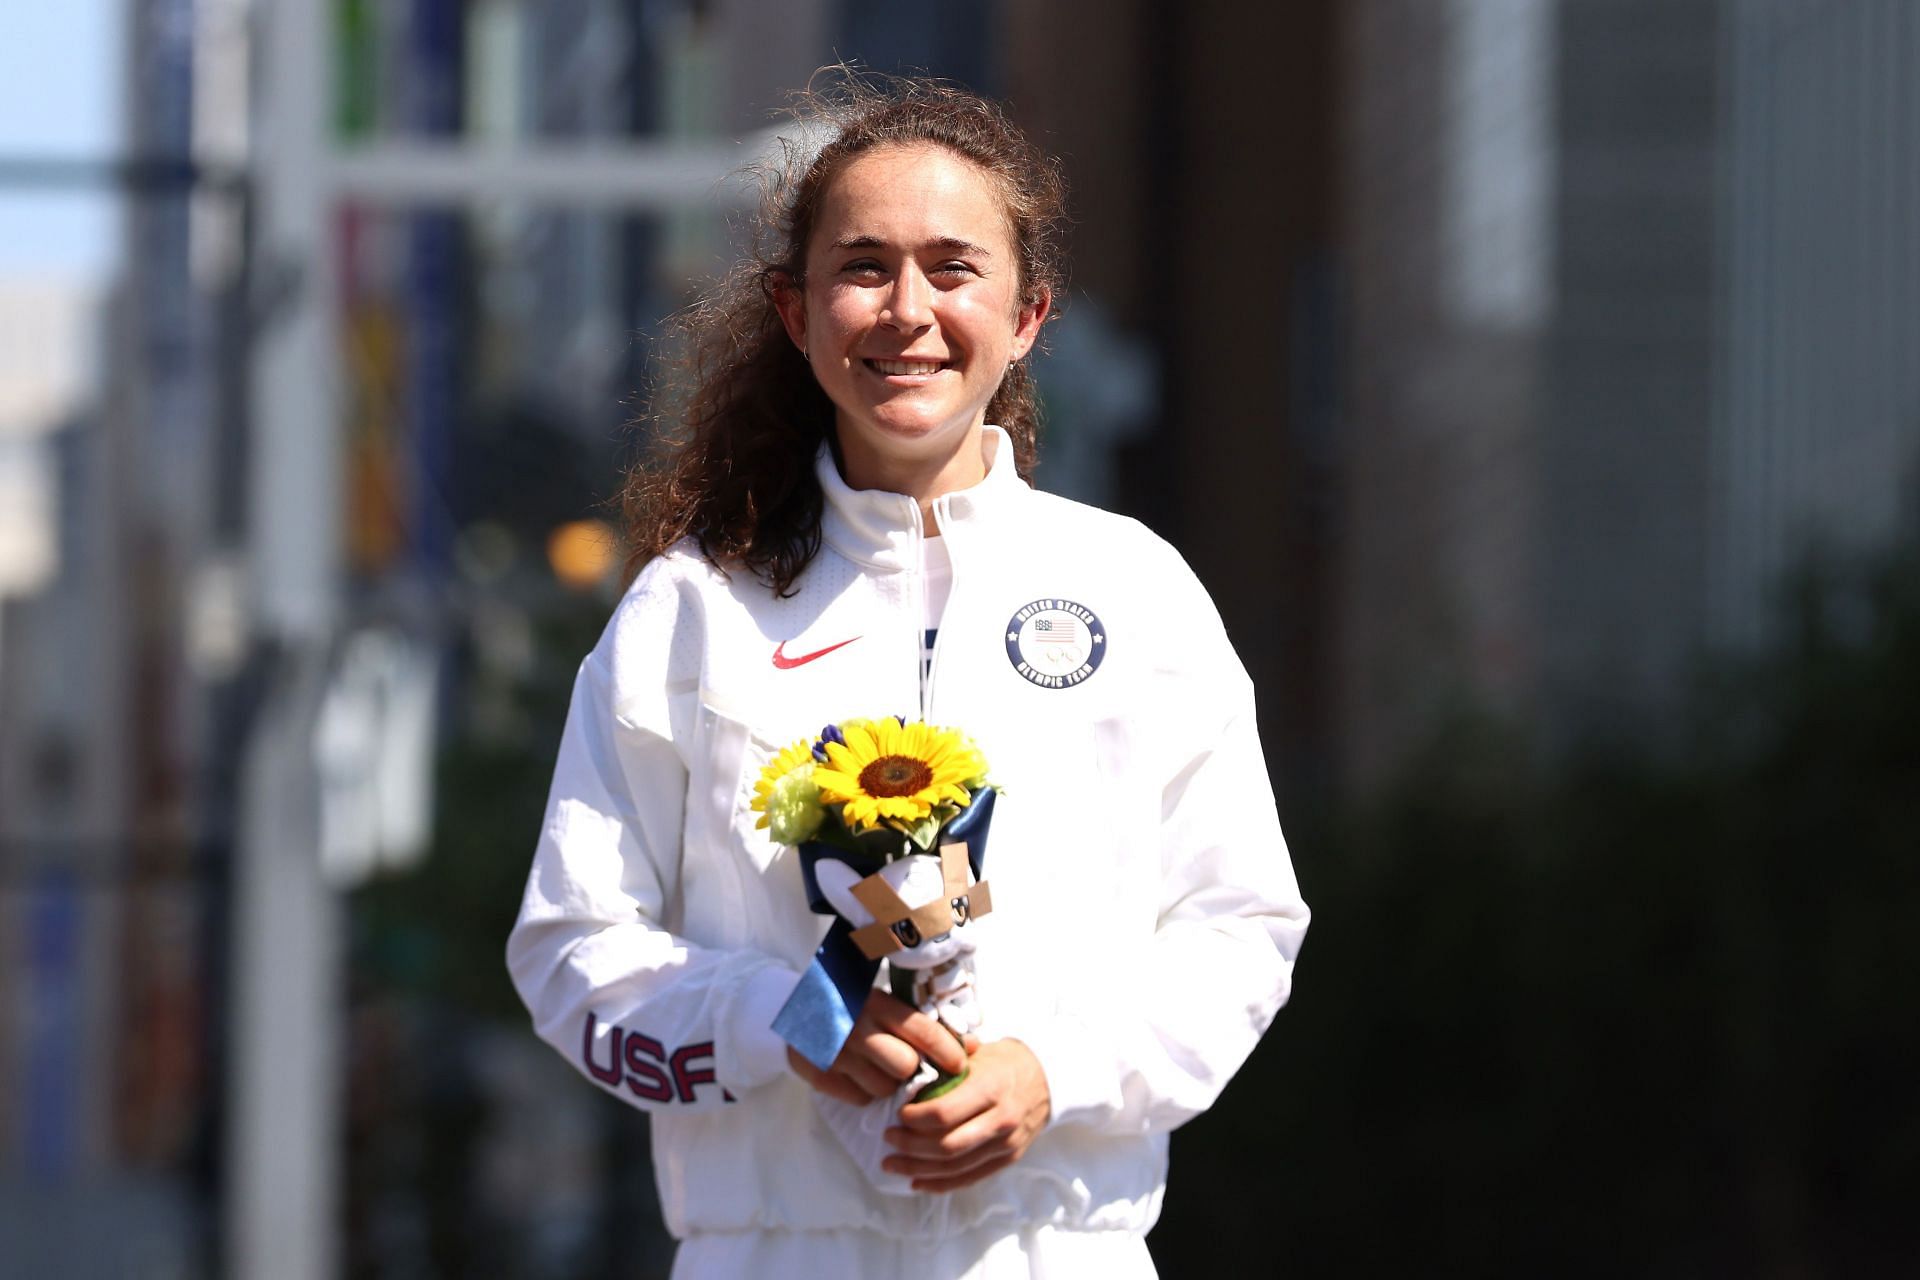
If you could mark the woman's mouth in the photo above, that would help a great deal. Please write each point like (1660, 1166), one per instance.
(906, 368)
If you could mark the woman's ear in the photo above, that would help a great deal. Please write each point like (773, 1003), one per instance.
(1026, 324)
(790, 300)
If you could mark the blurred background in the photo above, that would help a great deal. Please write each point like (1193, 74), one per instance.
(1536, 384)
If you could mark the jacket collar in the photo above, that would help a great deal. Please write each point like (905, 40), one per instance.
(882, 529)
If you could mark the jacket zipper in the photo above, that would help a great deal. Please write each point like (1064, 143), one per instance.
(920, 626)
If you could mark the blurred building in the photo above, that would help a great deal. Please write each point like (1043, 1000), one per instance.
(1816, 405)
(1446, 174)
(1632, 328)
(111, 823)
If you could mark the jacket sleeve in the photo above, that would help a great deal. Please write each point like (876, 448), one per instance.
(651, 1017)
(1148, 1047)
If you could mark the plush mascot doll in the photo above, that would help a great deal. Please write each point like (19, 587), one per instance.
(894, 912)
(920, 912)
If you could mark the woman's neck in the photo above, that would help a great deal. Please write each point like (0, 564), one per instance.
(923, 480)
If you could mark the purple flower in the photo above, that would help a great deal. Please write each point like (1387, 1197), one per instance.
(829, 734)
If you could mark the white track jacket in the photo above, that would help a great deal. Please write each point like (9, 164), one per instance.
(1146, 916)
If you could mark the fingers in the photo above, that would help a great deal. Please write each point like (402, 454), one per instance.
(881, 1054)
(955, 1182)
(972, 1161)
(943, 1115)
(971, 1097)
(830, 1083)
(982, 1137)
(985, 1124)
(978, 1142)
(924, 1036)
(853, 1079)
(873, 1081)
(883, 1051)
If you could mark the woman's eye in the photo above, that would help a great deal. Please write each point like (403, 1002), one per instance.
(863, 269)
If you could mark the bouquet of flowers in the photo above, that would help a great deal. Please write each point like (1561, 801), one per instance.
(865, 785)
(890, 820)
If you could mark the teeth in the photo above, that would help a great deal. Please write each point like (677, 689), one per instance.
(907, 366)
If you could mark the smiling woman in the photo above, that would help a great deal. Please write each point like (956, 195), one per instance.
(914, 170)
(843, 525)
(909, 311)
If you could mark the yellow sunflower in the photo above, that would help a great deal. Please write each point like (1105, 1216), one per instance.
(895, 773)
(785, 796)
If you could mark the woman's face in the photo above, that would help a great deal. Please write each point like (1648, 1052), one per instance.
(911, 308)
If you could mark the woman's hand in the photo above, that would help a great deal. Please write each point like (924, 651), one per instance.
(882, 1053)
(980, 1128)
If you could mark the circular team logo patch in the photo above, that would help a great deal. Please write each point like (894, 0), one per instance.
(1056, 644)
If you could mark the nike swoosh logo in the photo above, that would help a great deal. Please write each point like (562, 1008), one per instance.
(782, 661)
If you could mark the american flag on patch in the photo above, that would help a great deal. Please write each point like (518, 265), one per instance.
(1064, 630)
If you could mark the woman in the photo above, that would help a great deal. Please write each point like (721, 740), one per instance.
(846, 532)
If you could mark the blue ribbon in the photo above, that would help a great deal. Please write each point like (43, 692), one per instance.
(819, 1016)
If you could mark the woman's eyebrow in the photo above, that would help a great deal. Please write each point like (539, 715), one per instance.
(966, 248)
(946, 244)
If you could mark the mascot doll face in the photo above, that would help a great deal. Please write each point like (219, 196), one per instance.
(919, 883)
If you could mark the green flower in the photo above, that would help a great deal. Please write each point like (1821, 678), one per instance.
(786, 798)
(794, 811)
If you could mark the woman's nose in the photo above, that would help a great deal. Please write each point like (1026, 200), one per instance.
(910, 302)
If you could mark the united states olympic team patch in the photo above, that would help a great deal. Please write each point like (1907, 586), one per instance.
(1055, 643)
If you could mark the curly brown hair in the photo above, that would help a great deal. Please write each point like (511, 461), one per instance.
(739, 419)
